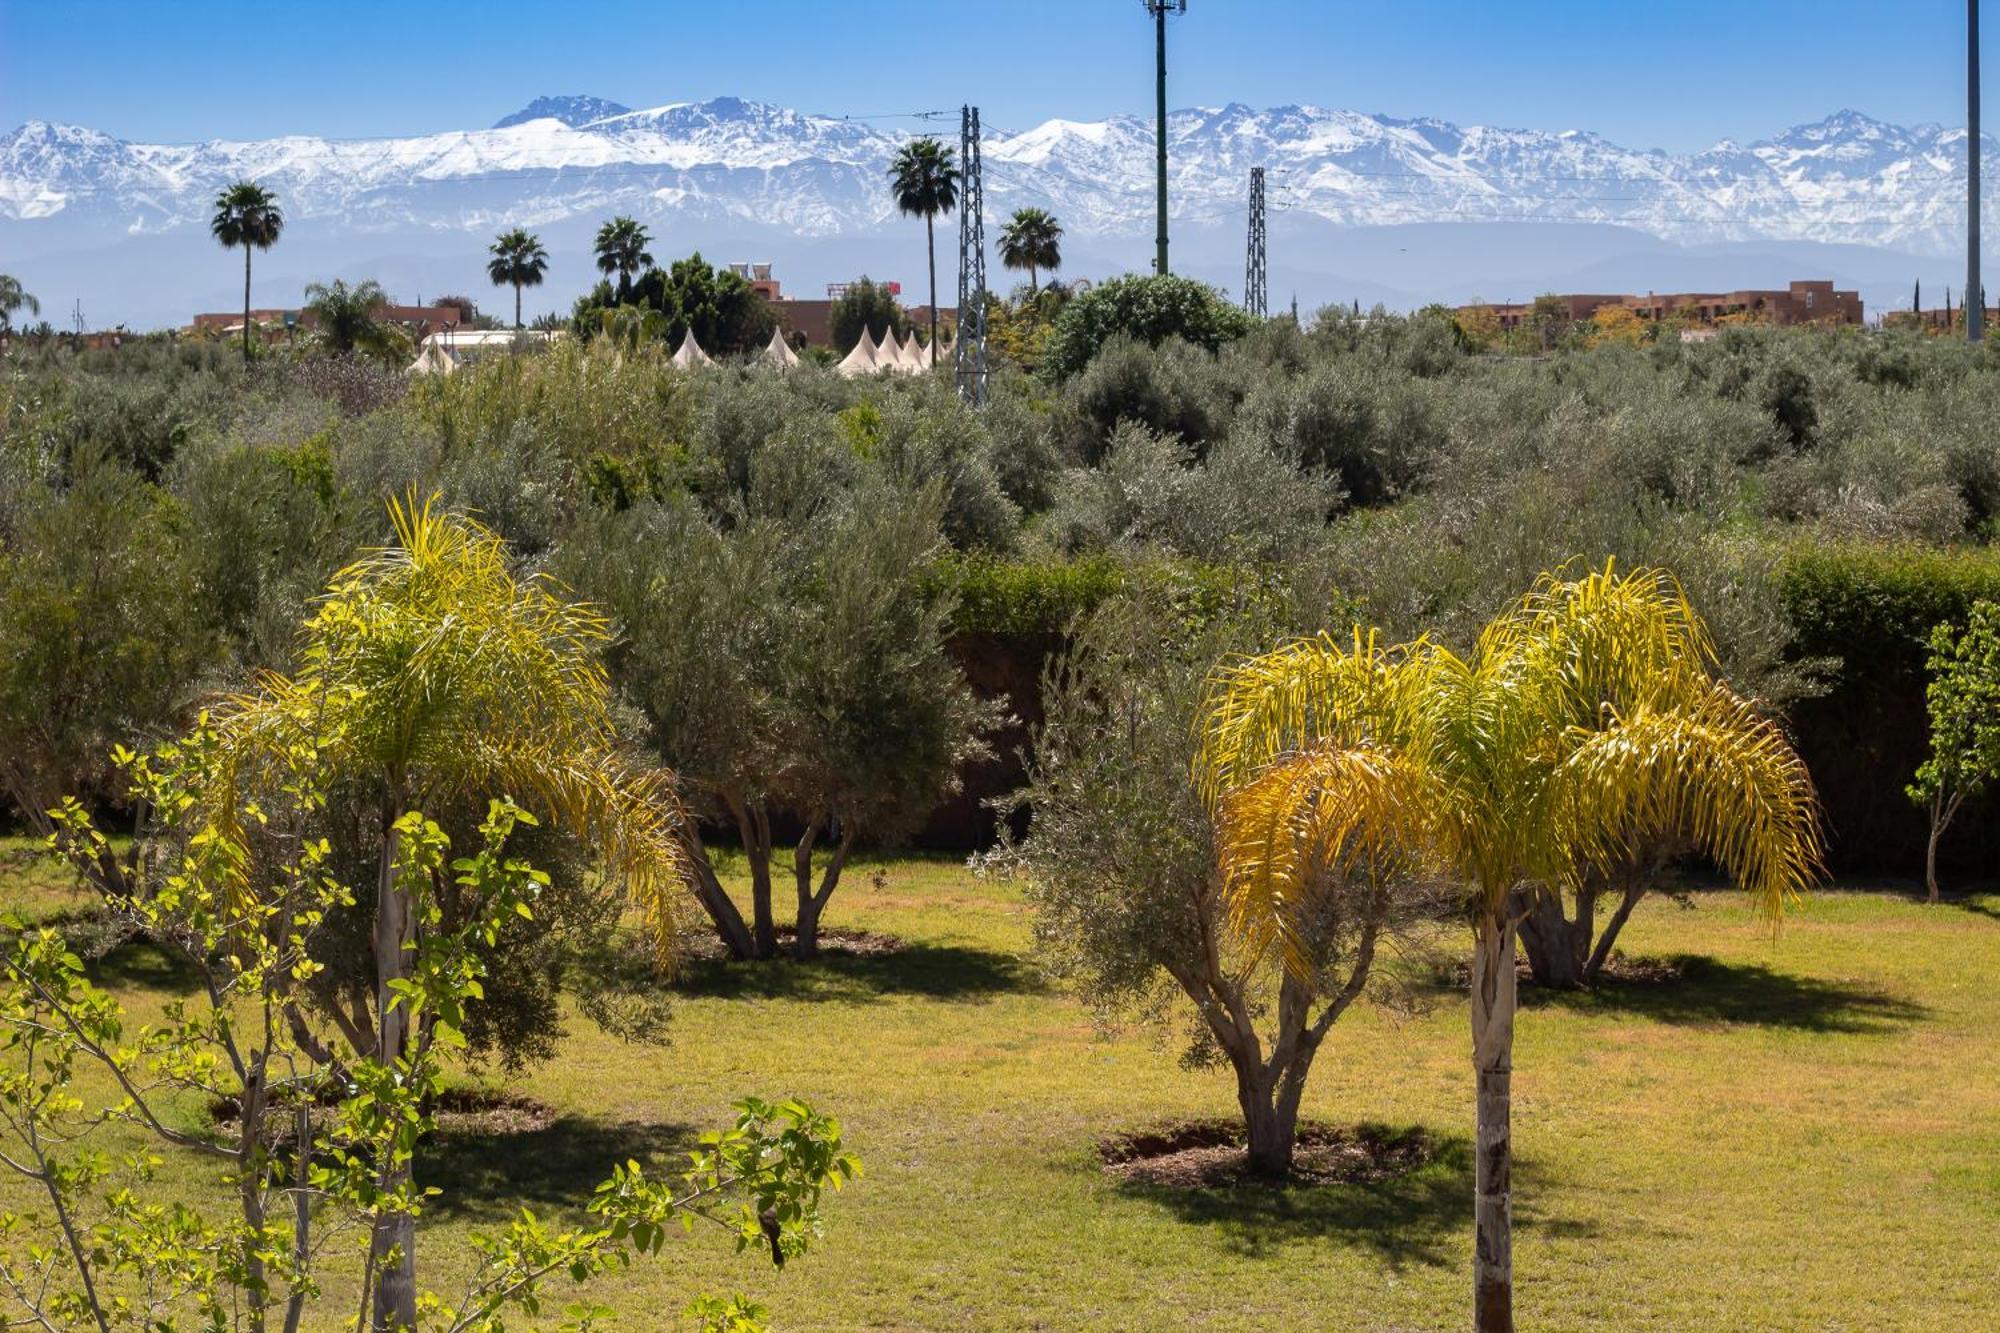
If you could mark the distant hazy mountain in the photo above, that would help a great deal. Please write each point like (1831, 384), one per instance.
(83, 207)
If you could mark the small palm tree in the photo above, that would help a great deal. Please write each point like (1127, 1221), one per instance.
(1031, 240)
(14, 297)
(1587, 719)
(429, 673)
(924, 179)
(518, 258)
(349, 318)
(621, 249)
(246, 214)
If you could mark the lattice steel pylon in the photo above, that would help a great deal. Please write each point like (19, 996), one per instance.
(969, 347)
(1256, 297)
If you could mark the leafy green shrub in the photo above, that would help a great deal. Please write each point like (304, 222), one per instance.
(1148, 308)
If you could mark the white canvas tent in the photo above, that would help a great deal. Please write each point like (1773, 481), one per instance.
(689, 353)
(890, 356)
(864, 359)
(778, 352)
(915, 359)
(433, 359)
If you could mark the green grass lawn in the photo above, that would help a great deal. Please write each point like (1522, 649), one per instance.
(1801, 1133)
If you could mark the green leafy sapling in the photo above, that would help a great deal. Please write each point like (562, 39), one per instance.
(237, 889)
(1964, 702)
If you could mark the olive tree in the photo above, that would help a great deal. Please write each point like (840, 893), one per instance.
(793, 669)
(1120, 861)
(102, 635)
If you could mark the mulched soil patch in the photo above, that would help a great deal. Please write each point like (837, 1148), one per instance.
(849, 943)
(1209, 1154)
(457, 1111)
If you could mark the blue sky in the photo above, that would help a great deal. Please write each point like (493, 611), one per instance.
(1674, 74)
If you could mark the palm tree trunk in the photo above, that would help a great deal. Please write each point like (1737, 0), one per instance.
(1033, 286)
(392, 1247)
(930, 244)
(246, 303)
(517, 305)
(1493, 1064)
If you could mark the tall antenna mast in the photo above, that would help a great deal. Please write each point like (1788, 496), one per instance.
(1159, 9)
(1255, 298)
(969, 346)
(1975, 291)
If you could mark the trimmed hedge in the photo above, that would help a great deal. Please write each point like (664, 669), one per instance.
(1872, 608)
(1012, 597)
(1867, 603)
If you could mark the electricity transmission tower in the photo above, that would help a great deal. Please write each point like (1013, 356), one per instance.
(1159, 9)
(969, 347)
(1975, 291)
(1255, 297)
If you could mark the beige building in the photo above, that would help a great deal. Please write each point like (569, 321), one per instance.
(1804, 302)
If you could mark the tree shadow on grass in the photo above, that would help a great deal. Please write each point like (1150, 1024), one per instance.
(1405, 1220)
(1696, 990)
(934, 971)
(488, 1176)
(140, 964)
(1423, 1218)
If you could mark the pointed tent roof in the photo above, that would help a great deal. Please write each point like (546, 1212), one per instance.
(914, 357)
(890, 357)
(689, 353)
(778, 352)
(863, 359)
(433, 359)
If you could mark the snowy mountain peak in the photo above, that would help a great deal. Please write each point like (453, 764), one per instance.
(573, 111)
(731, 164)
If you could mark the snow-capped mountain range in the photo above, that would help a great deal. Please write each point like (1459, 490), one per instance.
(770, 179)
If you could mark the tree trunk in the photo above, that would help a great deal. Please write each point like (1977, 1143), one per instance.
(1941, 813)
(1493, 1063)
(930, 245)
(753, 820)
(715, 900)
(392, 1247)
(1557, 946)
(1271, 1121)
(1635, 889)
(805, 928)
(250, 1194)
(517, 305)
(246, 303)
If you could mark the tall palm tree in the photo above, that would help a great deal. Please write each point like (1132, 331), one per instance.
(1588, 717)
(432, 673)
(1031, 239)
(246, 214)
(621, 249)
(518, 258)
(14, 297)
(924, 179)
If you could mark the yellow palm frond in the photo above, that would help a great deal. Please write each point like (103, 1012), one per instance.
(1606, 639)
(428, 663)
(1309, 693)
(1716, 772)
(1313, 818)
